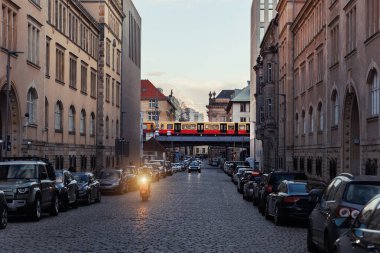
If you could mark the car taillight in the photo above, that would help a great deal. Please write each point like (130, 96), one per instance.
(345, 212)
(291, 199)
(269, 188)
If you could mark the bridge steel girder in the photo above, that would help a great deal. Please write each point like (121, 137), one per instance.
(225, 141)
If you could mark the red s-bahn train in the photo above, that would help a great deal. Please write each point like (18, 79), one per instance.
(198, 128)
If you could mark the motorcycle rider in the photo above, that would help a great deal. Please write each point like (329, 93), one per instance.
(144, 172)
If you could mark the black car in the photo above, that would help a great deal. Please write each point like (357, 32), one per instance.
(336, 210)
(113, 180)
(291, 201)
(3, 211)
(68, 189)
(271, 183)
(364, 234)
(257, 186)
(89, 187)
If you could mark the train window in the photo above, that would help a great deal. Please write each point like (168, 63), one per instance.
(215, 127)
(241, 127)
(231, 127)
(170, 126)
(184, 126)
(207, 126)
(193, 127)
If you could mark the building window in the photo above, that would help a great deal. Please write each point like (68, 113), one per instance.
(153, 103)
(73, 72)
(8, 28)
(311, 120)
(310, 165)
(243, 107)
(374, 88)
(113, 92)
(60, 65)
(269, 108)
(92, 124)
(118, 62)
(297, 125)
(82, 128)
(351, 30)
(243, 119)
(262, 15)
(93, 83)
(84, 78)
(320, 117)
(303, 123)
(71, 119)
(335, 111)
(303, 77)
(107, 127)
(262, 32)
(108, 88)
(311, 72)
(320, 66)
(113, 58)
(33, 44)
(302, 164)
(335, 47)
(108, 52)
(270, 10)
(270, 73)
(372, 17)
(58, 116)
(46, 114)
(117, 94)
(31, 101)
(47, 57)
(295, 163)
(153, 116)
(318, 166)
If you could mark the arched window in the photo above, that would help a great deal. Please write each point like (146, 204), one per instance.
(92, 124)
(320, 117)
(311, 120)
(335, 108)
(82, 122)
(71, 119)
(374, 89)
(297, 125)
(107, 127)
(303, 122)
(58, 116)
(31, 101)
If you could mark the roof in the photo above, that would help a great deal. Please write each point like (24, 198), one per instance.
(149, 91)
(153, 145)
(242, 96)
(226, 94)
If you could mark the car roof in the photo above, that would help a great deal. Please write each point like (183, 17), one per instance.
(22, 162)
(294, 182)
(362, 178)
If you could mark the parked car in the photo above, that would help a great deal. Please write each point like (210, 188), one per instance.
(194, 166)
(113, 180)
(291, 201)
(239, 172)
(3, 211)
(257, 186)
(336, 210)
(89, 187)
(250, 184)
(271, 183)
(364, 234)
(130, 173)
(29, 186)
(155, 168)
(68, 189)
(244, 178)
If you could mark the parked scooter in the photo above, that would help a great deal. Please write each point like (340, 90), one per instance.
(144, 186)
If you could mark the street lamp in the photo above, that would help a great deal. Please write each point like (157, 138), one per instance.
(7, 143)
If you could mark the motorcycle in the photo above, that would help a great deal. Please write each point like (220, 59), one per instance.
(144, 186)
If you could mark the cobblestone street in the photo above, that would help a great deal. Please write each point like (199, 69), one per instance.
(186, 213)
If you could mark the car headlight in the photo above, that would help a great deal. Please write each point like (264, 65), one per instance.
(22, 190)
(116, 183)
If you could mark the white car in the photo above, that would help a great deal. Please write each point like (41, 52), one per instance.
(194, 166)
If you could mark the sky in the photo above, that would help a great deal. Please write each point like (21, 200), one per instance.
(195, 46)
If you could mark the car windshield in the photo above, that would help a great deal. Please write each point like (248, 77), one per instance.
(297, 188)
(278, 178)
(18, 171)
(58, 177)
(81, 179)
(109, 175)
(359, 193)
(241, 170)
(194, 164)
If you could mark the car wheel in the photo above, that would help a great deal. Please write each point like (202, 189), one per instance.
(75, 203)
(311, 247)
(4, 218)
(54, 209)
(35, 212)
(88, 198)
(98, 197)
(277, 216)
(327, 243)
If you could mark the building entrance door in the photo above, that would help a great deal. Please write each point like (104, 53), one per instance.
(351, 134)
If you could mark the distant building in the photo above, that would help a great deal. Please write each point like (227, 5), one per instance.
(191, 115)
(217, 105)
(155, 106)
(238, 109)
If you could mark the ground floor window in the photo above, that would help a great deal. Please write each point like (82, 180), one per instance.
(332, 168)
(371, 167)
